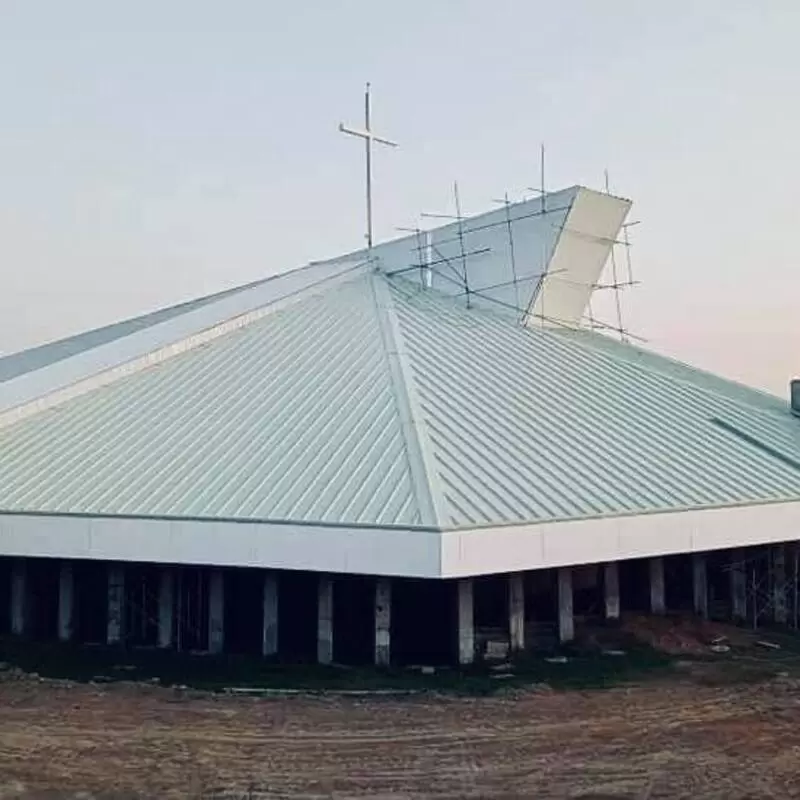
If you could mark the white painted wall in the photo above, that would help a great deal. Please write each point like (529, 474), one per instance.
(489, 550)
(368, 551)
(398, 552)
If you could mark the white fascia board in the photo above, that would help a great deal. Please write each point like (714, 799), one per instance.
(483, 551)
(581, 251)
(396, 552)
(293, 546)
(118, 358)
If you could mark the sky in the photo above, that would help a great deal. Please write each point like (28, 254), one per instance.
(155, 151)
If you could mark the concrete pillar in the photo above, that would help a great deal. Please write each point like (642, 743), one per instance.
(466, 622)
(116, 603)
(325, 620)
(216, 611)
(516, 611)
(19, 591)
(779, 583)
(166, 607)
(269, 641)
(738, 586)
(700, 585)
(658, 604)
(611, 589)
(566, 622)
(66, 602)
(383, 621)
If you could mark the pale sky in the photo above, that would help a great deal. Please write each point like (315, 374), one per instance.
(154, 151)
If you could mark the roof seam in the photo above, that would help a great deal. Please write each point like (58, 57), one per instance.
(423, 471)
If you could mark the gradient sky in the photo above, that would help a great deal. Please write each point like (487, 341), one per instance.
(155, 151)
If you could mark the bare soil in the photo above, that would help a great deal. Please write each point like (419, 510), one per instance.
(669, 738)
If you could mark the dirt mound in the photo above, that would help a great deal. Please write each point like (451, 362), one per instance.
(684, 635)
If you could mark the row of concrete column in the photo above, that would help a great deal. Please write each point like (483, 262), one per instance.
(566, 625)
(383, 605)
(216, 610)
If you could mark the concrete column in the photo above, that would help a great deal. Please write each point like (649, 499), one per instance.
(166, 607)
(738, 586)
(383, 621)
(116, 603)
(611, 589)
(325, 620)
(566, 622)
(19, 591)
(700, 585)
(66, 602)
(466, 622)
(216, 611)
(516, 611)
(779, 583)
(269, 642)
(658, 604)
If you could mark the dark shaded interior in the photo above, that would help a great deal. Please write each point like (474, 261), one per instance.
(191, 608)
(634, 585)
(679, 583)
(354, 619)
(244, 611)
(141, 605)
(91, 601)
(424, 621)
(297, 616)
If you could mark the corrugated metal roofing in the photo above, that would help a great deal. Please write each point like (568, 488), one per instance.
(535, 424)
(293, 417)
(39, 357)
(315, 413)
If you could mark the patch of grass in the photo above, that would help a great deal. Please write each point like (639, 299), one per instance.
(582, 669)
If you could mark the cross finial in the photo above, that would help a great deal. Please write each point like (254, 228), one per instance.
(369, 137)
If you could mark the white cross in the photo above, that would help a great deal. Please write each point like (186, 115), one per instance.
(369, 137)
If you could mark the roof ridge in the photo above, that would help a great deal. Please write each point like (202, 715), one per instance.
(424, 475)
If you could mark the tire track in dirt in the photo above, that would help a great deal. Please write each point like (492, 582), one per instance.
(670, 740)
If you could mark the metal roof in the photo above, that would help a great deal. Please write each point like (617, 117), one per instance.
(292, 417)
(44, 355)
(376, 401)
(542, 424)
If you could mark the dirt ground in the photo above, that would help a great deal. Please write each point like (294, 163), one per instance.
(668, 738)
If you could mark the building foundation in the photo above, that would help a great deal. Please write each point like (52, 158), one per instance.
(166, 607)
(658, 603)
(778, 559)
(566, 620)
(466, 622)
(699, 585)
(19, 599)
(269, 639)
(516, 611)
(116, 602)
(611, 589)
(325, 620)
(66, 602)
(216, 612)
(383, 621)
(738, 579)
